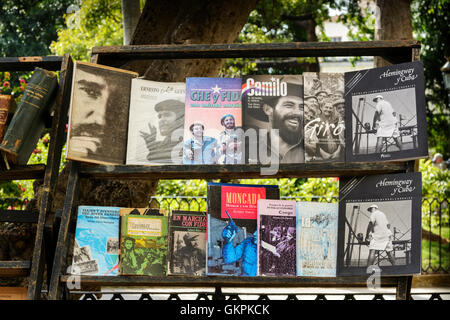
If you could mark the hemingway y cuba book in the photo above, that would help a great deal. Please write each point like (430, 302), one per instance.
(272, 107)
(156, 122)
(98, 115)
(317, 224)
(213, 121)
(187, 243)
(380, 225)
(324, 117)
(385, 113)
(276, 222)
(232, 227)
(143, 243)
(28, 121)
(96, 247)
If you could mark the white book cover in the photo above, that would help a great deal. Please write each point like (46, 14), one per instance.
(156, 122)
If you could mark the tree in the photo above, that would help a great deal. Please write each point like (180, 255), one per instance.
(27, 27)
(161, 22)
(431, 23)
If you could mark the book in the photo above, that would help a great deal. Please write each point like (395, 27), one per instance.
(273, 118)
(7, 107)
(187, 243)
(28, 121)
(143, 244)
(213, 121)
(317, 231)
(324, 117)
(380, 225)
(277, 220)
(96, 246)
(232, 227)
(385, 113)
(98, 115)
(156, 122)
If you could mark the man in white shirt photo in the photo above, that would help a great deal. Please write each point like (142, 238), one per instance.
(385, 123)
(379, 235)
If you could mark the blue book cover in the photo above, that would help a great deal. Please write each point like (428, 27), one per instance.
(96, 244)
(232, 227)
(213, 121)
(316, 239)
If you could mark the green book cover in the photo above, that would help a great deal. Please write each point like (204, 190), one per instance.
(143, 245)
(28, 121)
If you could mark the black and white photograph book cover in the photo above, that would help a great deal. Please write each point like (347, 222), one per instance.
(156, 122)
(380, 225)
(385, 113)
(324, 117)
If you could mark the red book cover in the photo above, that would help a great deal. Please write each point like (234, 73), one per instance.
(231, 232)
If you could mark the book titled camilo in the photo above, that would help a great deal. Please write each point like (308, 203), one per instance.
(272, 108)
(213, 120)
(380, 225)
(385, 113)
(317, 224)
(232, 227)
(324, 117)
(28, 121)
(143, 244)
(187, 243)
(98, 115)
(156, 122)
(96, 247)
(277, 238)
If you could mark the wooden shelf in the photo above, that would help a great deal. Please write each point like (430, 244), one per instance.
(52, 63)
(130, 281)
(395, 51)
(22, 216)
(14, 268)
(35, 171)
(238, 171)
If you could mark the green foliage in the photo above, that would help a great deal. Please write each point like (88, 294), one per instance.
(435, 256)
(436, 192)
(95, 23)
(27, 27)
(431, 24)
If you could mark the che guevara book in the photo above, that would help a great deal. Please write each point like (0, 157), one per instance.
(272, 107)
(232, 227)
(96, 247)
(317, 224)
(28, 122)
(187, 243)
(385, 113)
(324, 117)
(379, 228)
(98, 115)
(156, 122)
(276, 225)
(143, 243)
(213, 121)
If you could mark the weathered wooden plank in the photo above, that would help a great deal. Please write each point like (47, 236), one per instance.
(14, 268)
(404, 288)
(239, 171)
(224, 281)
(52, 63)
(396, 50)
(22, 216)
(57, 138)
(70, 202)
(28, 172)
